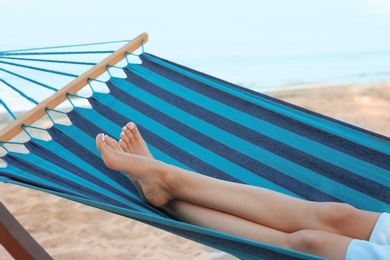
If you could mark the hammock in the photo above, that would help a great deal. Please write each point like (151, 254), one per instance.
(206, 125)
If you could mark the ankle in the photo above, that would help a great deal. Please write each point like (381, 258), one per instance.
(171, 180)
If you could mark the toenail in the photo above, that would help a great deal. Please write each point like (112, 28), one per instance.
(122, 133)
(103, 138)
(131, 126)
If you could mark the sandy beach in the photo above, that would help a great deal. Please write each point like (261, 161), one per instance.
(69, 230)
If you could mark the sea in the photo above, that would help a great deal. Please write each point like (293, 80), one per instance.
(281, 72)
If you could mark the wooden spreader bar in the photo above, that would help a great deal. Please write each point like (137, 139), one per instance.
(73, 87)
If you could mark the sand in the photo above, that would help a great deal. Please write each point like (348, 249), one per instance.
(69, 230)
(363, 105)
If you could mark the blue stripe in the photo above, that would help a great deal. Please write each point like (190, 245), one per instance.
(148, 125)
(168, 135)
(337, 173)
(116, 185)
(208, 142)
(84, 118)
(22, 174)
(240, 247)
(92, 177)
(335, 127)
(31, 169)
(341, 191)
(244, 119)
(284, 135)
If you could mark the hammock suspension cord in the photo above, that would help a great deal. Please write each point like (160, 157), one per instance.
(70, 89)
(64, 46)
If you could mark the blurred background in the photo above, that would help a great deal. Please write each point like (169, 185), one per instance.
(256, 43)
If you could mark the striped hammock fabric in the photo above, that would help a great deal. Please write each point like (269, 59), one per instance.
(206, 125)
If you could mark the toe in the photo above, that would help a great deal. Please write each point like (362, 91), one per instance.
(110, 142)
(100, 142)
(132, 127)
(123, 145)
(109, 155)
(128, 137)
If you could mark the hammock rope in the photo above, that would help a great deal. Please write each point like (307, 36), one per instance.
(9, 111)
(21, 66)
(55, 53)
(68, 96)
(29, 79)
(65, 46)
(40, 69)
(21, 93)
(52, 61)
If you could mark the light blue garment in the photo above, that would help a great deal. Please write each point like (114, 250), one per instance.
(381, 233)
(378, 247)
(361, 249)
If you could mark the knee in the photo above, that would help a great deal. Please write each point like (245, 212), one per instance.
(335, 215)
(307, 241)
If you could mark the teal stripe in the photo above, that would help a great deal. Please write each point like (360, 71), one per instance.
(85, 140)
(71, 157)
(191, 147)
(287, 167)
(75, 133)
(177, 224)
(307, 118)
(323, 152)
(5, 179)
(74, 178)
(113, 130)
(23, 174)
(198, 230)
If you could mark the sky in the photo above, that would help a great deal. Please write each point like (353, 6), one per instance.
(221, 37)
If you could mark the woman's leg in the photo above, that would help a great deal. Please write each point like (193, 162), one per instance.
(161, 183)
(273, 209)
(221, 221)
(310, 241)
(131, 141)
(315, 242)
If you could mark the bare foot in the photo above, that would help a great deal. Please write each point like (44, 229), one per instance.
(132, 142)
(147, 174)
